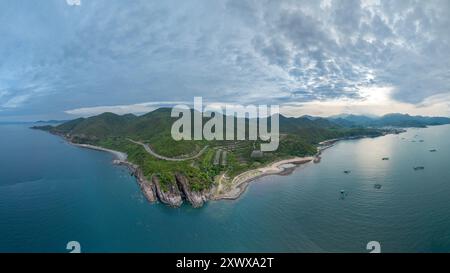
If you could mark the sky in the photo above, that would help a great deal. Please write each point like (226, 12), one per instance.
(60, 59)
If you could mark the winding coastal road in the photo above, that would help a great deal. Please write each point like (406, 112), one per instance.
(153, 153)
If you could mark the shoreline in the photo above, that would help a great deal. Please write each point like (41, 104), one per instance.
(240, 182)
(146, 186)
(229, 190)
(119, 155)
(121, 159)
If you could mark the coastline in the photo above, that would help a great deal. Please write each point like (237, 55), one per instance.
(121, 159)
(223, 188)
(233, 190)
(240, 182)
(119, 155)
(238, 185)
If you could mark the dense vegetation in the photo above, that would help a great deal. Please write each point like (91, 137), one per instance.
(298, 137)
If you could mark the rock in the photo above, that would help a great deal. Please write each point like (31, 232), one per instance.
(256, 154)
(147, 187)
(172, 197)
(149, 191)
(196, 199)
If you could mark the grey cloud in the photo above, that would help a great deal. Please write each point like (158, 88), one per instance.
(347, 43)
(347, 15)
(274, 50)
(112, 53)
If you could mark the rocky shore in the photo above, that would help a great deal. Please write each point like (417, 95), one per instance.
(180, 191)
(175, 194)
(147, 187)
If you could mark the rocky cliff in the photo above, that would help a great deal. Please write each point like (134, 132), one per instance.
(172, 195)
(169, 195)
(196, 199)
(147, 187)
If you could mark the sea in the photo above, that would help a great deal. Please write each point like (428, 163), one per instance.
(53, 193)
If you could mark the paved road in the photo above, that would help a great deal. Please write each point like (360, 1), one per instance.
(153, 153)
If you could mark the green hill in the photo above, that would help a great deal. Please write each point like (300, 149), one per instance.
(298, 137)
(392, 120)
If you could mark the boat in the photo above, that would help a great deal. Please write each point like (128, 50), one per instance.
(419, 168)
(433, 150)
(347, 171)
(377, 186)
(343, 194)
(421, 140)
(385, 158)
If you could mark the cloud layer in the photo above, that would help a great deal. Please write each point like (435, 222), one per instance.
(57, 58)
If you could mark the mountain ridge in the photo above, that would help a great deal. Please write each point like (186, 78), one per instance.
(210, 174)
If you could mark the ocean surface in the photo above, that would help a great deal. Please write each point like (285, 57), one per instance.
(52, 193)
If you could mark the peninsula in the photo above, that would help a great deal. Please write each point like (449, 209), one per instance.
(195, 171)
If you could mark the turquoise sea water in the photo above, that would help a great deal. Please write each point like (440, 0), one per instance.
(52, 193)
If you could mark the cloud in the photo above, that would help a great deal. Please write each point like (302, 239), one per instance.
(377, 101)
(139, 108)
(233, 51)
(73, 2)
(3, 93)
(15, 102)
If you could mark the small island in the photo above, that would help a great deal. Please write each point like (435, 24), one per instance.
(195, 171)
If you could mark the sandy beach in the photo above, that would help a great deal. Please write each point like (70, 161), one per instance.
(240, 182)
(231, 190)
(238, 185)
(119, 155)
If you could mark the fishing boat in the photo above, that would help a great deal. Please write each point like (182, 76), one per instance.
(418, 168)
(343, 194)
